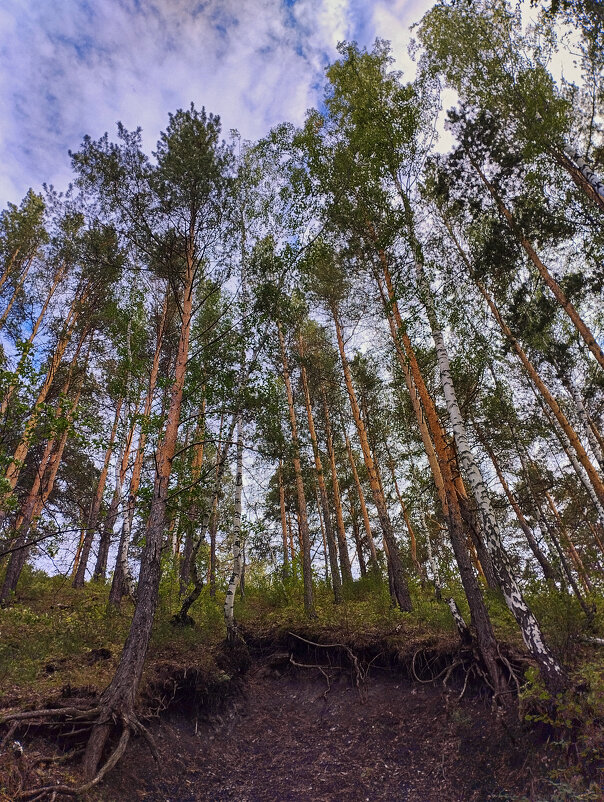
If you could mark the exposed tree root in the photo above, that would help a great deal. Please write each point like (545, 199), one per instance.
(359, 671)
(130, 726)
(314, 665)
(51, 791)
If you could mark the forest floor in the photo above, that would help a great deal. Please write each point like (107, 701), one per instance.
(312, 734)
(362, 703)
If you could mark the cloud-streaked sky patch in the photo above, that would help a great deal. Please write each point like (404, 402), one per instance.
(75, 67)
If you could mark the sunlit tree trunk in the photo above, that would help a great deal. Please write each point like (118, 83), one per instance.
(119, 697)
(361, 495)
(42, 487)
(398, 572)
(284, 532)
(14, 468)
(305, 535)
(552, 672)
(562, 420)
(326, 518)
(337, 500)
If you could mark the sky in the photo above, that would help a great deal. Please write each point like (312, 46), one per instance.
(75, 67)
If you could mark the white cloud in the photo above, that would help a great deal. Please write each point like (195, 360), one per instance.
(76, 67)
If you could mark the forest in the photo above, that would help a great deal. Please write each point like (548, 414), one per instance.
(335, 396)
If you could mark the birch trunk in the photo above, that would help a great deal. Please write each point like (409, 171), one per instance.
(588, 425)
(552, 672)
(237, 550)
(589, 176)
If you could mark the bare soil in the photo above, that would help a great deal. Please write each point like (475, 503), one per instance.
(315, 734)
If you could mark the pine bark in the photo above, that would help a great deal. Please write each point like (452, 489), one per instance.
(119, 697)
(302, 514)
(284, 530)
(336, 581)
(337, 500)
(398, 573)
(364, 513)
(95, 506)
(552, 672)
(548, 279)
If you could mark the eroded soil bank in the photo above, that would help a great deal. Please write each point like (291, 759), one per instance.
(295, 733)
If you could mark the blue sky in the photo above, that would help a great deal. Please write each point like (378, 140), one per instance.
(75, 67)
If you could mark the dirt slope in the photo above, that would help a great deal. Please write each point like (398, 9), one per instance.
(290, 738)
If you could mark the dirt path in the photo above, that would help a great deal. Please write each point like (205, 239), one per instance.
(286, 739)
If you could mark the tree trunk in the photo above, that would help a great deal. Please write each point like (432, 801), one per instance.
(336, 580)
(552, 672)
(549, 280)
(337, 501)
(548, 571)
(356, 533)
(364, 513)
(14, 468)
(45, 479)
(588, 425)
(26, 351)
(547, 396)
(119, 697)
(306, 562)
(399, 578)
(284, 520)
(95, 507)
(237, 551)
(574, 554)
(193, 511)
(16, 291)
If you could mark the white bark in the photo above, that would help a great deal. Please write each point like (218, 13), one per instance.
(588, 174)
(237, 550)
(527, 622)
(584, 418)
